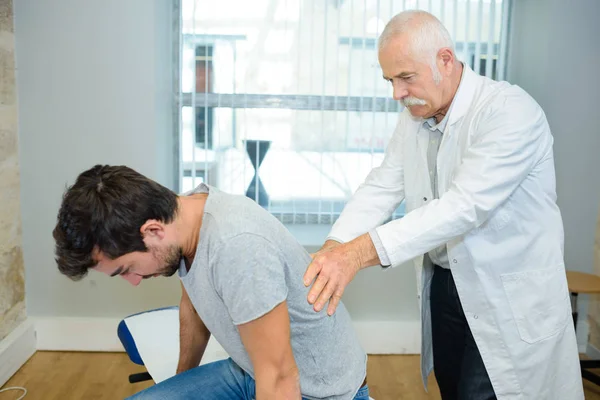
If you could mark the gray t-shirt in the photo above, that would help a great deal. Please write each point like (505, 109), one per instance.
(247, 263)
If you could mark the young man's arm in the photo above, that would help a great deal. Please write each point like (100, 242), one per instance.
(249, 276)
(267, 341)
(193, 335)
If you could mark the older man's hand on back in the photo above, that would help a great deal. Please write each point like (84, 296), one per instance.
(329, 244)
(334, 266)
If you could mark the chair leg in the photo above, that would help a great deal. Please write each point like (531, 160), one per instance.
(590, 364)
(590, 376)
(139, 377)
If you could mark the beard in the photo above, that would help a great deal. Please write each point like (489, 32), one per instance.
(170, 258)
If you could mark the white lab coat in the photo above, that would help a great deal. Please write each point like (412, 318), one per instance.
(497, 213)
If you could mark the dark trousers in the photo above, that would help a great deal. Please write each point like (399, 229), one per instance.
(457, 364)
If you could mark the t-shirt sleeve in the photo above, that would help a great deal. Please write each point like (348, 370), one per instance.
(248, 273)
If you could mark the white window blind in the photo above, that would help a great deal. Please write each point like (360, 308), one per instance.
(283, 100)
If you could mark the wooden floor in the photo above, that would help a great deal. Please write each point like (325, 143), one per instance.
(91, 376)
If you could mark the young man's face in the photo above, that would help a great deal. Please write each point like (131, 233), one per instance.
(161, 259)
(133, 267)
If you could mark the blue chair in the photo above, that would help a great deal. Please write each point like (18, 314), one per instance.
(129, 334)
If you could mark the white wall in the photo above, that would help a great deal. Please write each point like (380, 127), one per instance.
(94, 81)
(94, 86)
(555, 56)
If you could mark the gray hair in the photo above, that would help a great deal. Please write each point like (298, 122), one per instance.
(427, 36)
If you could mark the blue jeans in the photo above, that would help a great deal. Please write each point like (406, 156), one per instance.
(220, 380)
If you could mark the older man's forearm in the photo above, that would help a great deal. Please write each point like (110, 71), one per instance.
(365, 251)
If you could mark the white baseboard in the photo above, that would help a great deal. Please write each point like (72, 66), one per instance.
(100, 334)
(16, 349)
(77, 334)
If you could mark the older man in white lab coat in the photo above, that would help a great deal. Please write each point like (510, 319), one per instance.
(473, 160)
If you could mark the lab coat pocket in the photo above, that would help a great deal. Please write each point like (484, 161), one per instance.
(539, 301)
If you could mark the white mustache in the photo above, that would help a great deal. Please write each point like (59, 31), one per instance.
(412, 101)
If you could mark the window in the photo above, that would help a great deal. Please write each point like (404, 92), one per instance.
(283, 100)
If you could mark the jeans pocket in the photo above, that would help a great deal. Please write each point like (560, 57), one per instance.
(539, 301)
(363, 393)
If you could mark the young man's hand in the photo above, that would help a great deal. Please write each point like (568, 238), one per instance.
(267, 340)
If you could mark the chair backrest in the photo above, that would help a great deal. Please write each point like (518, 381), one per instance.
(151, 338)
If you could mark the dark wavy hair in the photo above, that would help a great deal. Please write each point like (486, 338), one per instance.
(105, 209)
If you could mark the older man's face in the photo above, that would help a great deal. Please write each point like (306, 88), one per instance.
(412, 79)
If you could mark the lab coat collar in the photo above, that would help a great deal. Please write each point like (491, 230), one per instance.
(464, 95)
(460, 103)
